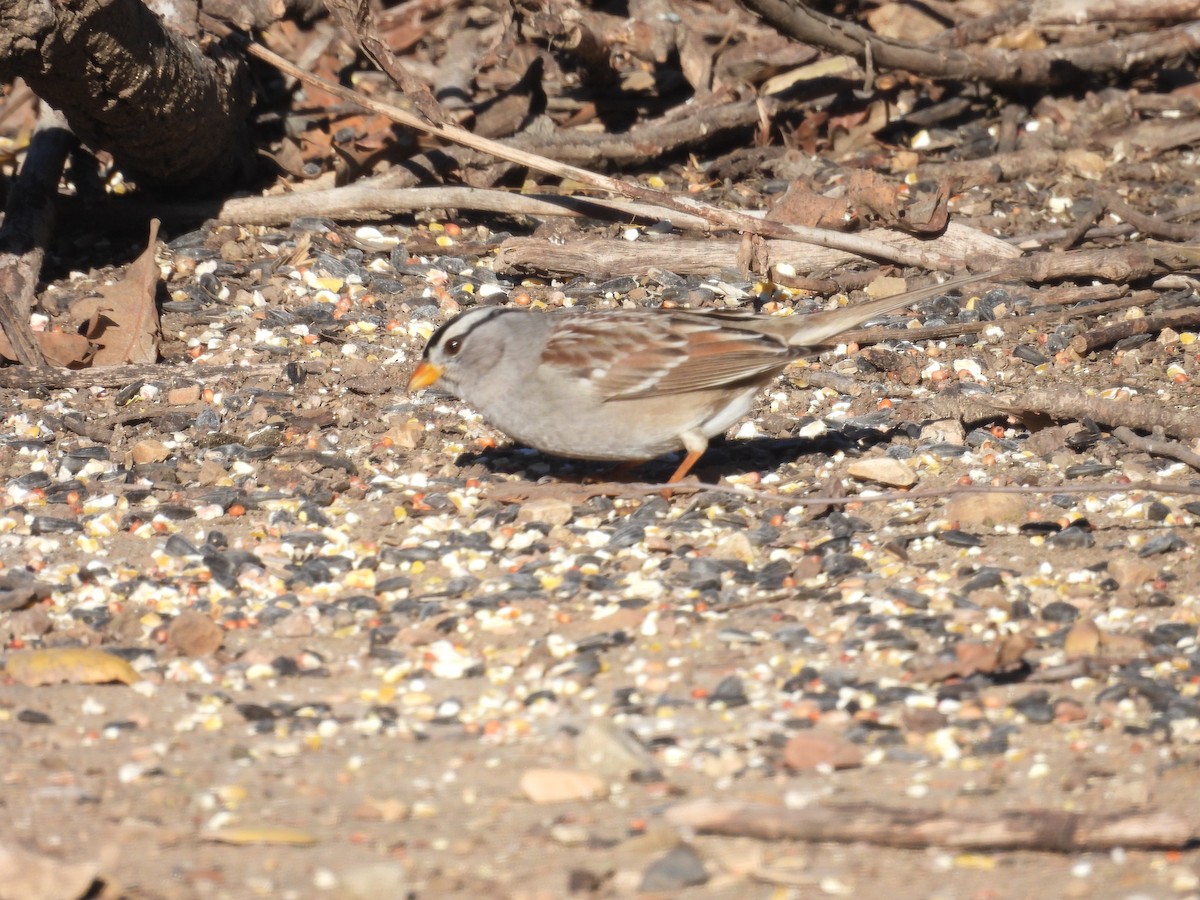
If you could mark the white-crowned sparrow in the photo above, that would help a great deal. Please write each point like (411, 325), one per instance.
(621, 384)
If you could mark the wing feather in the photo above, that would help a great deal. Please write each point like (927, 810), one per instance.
(628, 354)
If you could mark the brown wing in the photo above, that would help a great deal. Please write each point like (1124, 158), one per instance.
(651, 352)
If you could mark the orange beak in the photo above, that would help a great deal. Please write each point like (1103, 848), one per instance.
(425, 375)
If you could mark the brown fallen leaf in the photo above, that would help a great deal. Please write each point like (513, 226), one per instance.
(123, 320)
(997, 657)
(887, 201)
(61, 348)
(75, 665)
(799, 205)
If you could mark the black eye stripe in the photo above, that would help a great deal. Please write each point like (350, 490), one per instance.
(442, 337)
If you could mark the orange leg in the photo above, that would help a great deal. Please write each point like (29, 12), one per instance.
(686, 466)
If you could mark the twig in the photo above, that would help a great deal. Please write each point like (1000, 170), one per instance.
(1151, 225)
(118, 376)
(1086, 214)
(521, 492)
(593, 256)
(1067, 402)
(1027, 829)
(1156, 447)
(355, 17)
(1054, 66)
(725, 218)
(1102, 336)
(367, 199)
(1126, 263)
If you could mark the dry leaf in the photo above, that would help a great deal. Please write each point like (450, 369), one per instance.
(75, 665)
(123, 320)
(800, 206)
(927, 213)
(60, 348)
(904, 22)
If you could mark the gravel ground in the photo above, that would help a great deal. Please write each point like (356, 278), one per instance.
(353, 644)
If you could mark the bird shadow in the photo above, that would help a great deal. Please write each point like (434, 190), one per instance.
(724, 457)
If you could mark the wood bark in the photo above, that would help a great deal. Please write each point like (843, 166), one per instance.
(170, 114)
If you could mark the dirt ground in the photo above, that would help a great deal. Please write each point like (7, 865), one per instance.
(374, 659)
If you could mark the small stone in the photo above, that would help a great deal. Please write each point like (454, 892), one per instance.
(1069, 711)
(27, 624)
(1122, 646)
(406, 436)
(382, 809)
(730, 691)
(182, 396)
(1035, 707)
(882, 470)
(194, 634)
(734, 545)
(811, 749)
(546, 511)
(583, 881)
(1060, 611)
(886, 286)
(562, 785)
(1131, 573)
(569, 834)
(924, 721)
(677, 869)
(211, 472)
(990, 508)
(1082, 640)
(149, 451)
(293, 625)
(610, 751)
(943, 431)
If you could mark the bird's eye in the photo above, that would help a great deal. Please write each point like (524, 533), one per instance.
(452, 347)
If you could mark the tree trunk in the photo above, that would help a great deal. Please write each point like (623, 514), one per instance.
(171, 115)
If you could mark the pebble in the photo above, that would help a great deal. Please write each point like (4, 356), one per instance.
(294, 625)
(610, 751)
(1083, 640)
(986, 508)
(679, 868)
(943, 431)
(546, 511)
(149, 451)
(882, 470)
(194, 634)
(1130, 572)
(561, 785)
(813, 749)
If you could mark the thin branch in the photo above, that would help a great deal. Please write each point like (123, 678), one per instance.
(722, 217)
(1058, 65)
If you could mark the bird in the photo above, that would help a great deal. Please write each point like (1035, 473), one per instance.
(627, 385)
